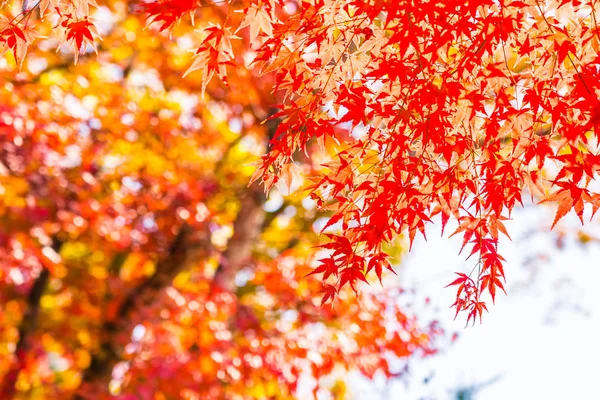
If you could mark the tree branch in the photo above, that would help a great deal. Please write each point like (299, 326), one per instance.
(246, 229)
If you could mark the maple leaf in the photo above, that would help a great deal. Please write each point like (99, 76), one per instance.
(259, 20)
(79, 31)
(350, 275)
(289, 175)
(327, 267)
(329, 293)
(213, 55)
(461, 280)
(168, 12)
(565, 204)
(491, 281)
(378, 262)
(14, 38)
(477, 309)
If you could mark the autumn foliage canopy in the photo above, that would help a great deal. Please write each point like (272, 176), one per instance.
(139, 140)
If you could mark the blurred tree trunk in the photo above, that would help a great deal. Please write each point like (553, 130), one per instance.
(187, 248)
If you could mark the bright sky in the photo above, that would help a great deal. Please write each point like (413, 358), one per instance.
(539, 342)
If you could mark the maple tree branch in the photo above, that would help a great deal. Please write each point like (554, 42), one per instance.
(26, 328)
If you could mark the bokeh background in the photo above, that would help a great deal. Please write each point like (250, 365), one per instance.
(137, 263)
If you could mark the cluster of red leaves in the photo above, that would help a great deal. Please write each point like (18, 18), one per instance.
(77, 28)
(167, 13)
(444, 121)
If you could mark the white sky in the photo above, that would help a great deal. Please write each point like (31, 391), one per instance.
(542, 341)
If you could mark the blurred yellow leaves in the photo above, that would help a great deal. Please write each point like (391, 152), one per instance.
(13, 191)
(136, 265)
(261, 389)
(74, 251)
(338, 390)
(84, 338)
(143, 158)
